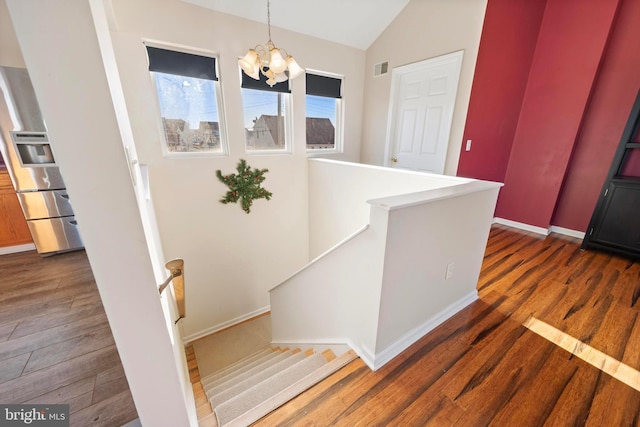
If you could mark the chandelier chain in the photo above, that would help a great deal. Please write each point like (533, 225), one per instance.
(269, 18)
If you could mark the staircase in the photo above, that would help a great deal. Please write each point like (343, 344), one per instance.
(249, 389)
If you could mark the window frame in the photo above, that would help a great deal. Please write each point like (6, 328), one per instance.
(288, 121)
(338, 146)
(222, 123)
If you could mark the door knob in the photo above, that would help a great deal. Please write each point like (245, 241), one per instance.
(394, 159)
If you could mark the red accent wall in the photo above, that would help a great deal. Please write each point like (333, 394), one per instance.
(507, 45)
(616, 89)
(572, 40)
(553, 146)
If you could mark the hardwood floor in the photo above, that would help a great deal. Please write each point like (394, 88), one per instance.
(484, 367)
(55, 343)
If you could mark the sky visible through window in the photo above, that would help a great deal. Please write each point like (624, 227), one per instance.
(322, 107)
(187, 98)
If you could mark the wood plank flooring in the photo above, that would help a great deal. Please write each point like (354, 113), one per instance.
(484, 367)
(55, 343)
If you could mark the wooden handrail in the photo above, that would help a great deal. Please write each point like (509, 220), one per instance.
(176, 268)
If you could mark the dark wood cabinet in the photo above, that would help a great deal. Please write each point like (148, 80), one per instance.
(615, 223)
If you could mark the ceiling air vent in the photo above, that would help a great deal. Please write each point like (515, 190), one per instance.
(380, 69)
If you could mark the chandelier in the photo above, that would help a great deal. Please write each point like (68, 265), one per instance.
(272, 62)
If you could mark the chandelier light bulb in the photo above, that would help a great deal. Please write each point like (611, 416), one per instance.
(270, 77)
(276, 62)
(281, 77)
(249, 61)
(294, 69)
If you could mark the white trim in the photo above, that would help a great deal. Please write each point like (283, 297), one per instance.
(17, 248)
(338, 146)
(384, 356)
(567, 232)
(216, 328)
(540, 230)
(133, 423)
(522, 226)
(220, 104)
(367, 356)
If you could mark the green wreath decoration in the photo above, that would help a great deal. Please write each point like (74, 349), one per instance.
(244, 186)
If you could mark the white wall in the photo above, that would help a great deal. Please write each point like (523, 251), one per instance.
(101, 17)
(334, 300)
(231, 258)
(10, 55)
(339, 192)
(424, 29)
(384, 286)
(414, 288)
(60, 48)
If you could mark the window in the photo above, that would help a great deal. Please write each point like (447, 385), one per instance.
(266, 114)
(323, 112)
(190, 105)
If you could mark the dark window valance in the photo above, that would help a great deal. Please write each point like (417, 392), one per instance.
(329, 87)
(181, 64)
(249, 83)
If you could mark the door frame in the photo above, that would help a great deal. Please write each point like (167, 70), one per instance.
(396, 73)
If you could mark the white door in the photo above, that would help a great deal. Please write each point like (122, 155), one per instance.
(423, 96)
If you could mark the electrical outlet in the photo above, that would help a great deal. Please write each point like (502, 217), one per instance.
(449, 273)
(468, 147)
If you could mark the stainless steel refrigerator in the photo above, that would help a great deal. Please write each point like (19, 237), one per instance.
(31, 164)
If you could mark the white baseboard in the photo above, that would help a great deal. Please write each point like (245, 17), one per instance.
(540, 230)
(213, 329)
(567, 232)
(384, 356)
(522, 226)
(367, 356)
(18, 248)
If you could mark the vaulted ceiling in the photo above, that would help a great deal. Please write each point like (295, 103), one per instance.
(355, 23)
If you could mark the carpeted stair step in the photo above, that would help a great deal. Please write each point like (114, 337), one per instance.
(282, 397)
(241, 375)
(244, 382)
(230, 371)
(247, 359)
(255, 396)
(244, 374)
